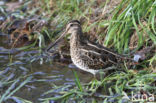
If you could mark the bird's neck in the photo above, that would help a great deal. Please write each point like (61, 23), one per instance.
(76, 38)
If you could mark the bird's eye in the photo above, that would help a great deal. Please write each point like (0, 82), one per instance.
(71, 25)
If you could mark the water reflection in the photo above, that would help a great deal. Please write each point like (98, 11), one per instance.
(44, 76)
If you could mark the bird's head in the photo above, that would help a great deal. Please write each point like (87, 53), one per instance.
(71, 27)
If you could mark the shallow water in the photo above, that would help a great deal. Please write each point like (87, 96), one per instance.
(44, 73)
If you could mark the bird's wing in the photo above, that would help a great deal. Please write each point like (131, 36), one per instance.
(113, 56)
(103, 49)
(96, 58)
(92, 59)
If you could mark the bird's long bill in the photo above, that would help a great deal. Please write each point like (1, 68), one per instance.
(58, 40)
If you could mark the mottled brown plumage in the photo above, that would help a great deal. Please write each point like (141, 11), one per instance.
(86, 55)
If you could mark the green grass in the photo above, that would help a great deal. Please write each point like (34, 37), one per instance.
(129, 17)
(13, 86)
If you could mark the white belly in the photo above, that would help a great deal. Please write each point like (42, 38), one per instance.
(77, 60)
(81, 65)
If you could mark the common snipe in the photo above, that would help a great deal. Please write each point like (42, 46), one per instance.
(87, 55)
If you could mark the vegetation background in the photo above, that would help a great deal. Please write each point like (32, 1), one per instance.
(126, 26)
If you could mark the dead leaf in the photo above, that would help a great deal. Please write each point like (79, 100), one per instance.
(12, 6)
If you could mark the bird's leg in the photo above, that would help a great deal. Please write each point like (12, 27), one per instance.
(98, 76)
(94, 77)
(102, 74)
